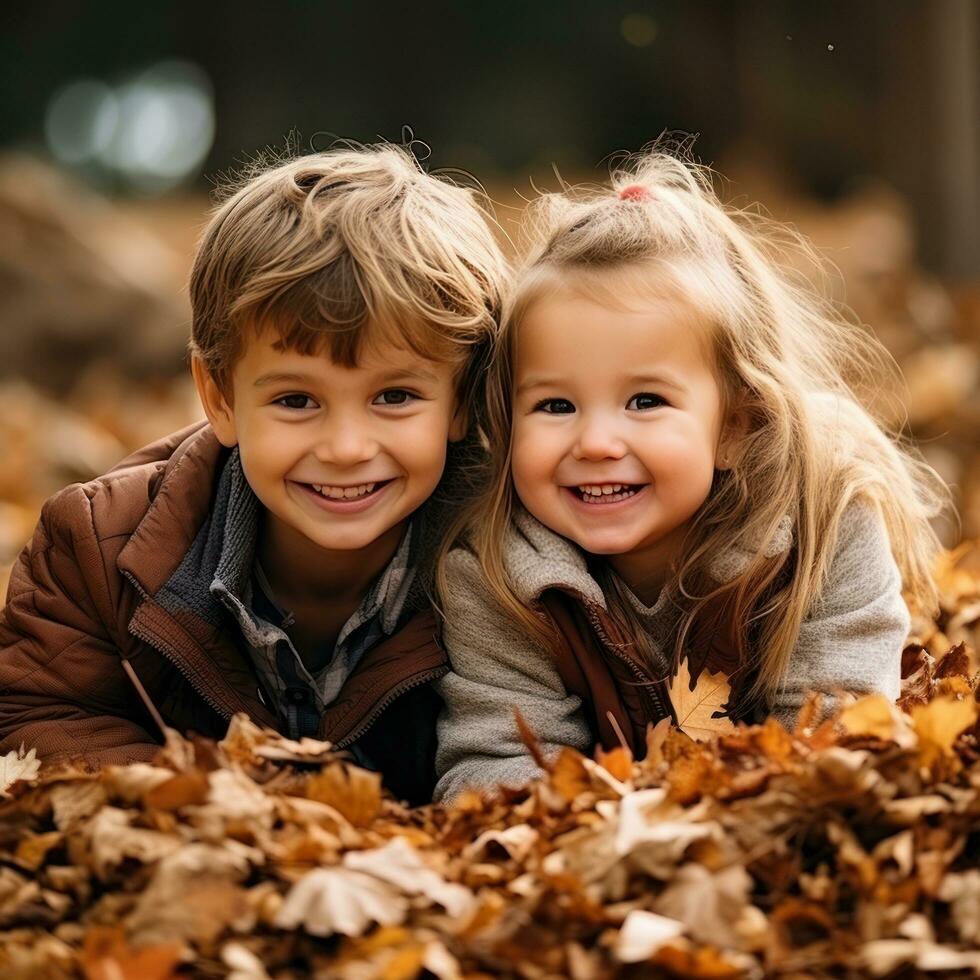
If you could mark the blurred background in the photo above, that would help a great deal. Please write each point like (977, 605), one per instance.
(856, 120)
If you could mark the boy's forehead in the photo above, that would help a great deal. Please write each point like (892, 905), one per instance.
(267, 350)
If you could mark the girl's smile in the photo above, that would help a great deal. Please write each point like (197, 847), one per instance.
(605, 495)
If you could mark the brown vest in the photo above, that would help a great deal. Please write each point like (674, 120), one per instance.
(620, 696)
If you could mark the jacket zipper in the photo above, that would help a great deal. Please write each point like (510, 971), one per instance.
(650, 686)
(396, 692)
(223, 710)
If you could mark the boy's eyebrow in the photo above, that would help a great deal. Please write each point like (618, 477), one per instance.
(386, 376)
(282, 377)
(417, 374)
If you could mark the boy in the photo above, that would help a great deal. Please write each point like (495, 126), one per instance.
(275, 560)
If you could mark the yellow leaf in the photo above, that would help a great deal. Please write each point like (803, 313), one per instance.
(939, 723)
(618, 761)
(354, 792)
(695, 705)
(874, 715)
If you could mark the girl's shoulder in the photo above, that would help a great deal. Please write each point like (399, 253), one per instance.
(536, 560)
(862, 564)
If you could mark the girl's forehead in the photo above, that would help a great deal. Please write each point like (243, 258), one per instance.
(628, 288)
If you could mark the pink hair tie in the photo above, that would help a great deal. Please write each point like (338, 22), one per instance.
(635, 192)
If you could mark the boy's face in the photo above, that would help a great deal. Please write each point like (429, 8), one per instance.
(340, 455)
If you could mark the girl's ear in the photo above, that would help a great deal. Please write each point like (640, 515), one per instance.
(459, 425)
(460, 422)
(736, 428)
(216, 405)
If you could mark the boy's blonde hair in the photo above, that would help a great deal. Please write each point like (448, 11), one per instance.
(790, 362)
(341, 249)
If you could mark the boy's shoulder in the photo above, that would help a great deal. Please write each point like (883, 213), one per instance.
(182, 466)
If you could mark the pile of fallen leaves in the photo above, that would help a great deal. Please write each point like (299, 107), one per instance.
(847, 847)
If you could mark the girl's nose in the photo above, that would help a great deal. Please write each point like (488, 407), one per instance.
(597, 441)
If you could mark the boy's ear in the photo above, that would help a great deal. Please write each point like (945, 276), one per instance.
(216, 406)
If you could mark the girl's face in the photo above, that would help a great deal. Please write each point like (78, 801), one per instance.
(617, 423)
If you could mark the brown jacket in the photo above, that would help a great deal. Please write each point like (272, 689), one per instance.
(81, 605)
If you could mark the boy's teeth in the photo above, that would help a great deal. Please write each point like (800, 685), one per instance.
(343, 493)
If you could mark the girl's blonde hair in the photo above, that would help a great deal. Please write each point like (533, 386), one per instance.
(338, 249)
(791, 363)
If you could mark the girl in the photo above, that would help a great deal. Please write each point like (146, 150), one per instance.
(684, 469)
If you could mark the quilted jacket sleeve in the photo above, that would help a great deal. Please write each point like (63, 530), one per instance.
(63, 689)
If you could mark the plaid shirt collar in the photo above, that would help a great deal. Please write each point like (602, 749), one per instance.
(238, 575)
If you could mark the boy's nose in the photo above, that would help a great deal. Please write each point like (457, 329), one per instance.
(597, 441)
(346, 443)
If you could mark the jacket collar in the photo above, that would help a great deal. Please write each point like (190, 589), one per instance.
(537, 560)
(166, 559)
(180, 504)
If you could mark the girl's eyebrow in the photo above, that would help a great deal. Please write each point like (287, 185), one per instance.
(536, 381)
(655, 379)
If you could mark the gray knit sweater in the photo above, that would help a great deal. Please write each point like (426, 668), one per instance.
(852, 639)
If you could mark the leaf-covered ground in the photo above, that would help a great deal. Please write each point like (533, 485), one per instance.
(844, 848)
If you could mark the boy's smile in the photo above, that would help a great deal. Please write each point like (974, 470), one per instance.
(617, 422)
(339, 457)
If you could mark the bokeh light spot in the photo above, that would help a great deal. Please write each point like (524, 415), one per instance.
(80, 120)
(153, 132)
(640, 30)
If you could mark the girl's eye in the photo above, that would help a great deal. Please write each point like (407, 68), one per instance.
(296, 401)
(394, 396)
(645, 401)
(555, 406)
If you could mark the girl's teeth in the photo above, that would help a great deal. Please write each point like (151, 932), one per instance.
(602, 490)
(609, 494)
(344, 493)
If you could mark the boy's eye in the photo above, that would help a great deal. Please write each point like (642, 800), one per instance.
(296, 401)
(394, 396)
(555, 406)
(645, 400)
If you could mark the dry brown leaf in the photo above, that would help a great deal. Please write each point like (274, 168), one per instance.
(399, 864)
(709, 903)
(355, 793)
(643, 933)
(695, 704)
(938, 725)
(108, 956)
(183, 789)
(876, 716)
(568, 775)
(340, 900)
(33, 848)
(618, 762)
(17, 766)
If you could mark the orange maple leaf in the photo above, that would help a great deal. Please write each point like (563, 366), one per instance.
(694, 704)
